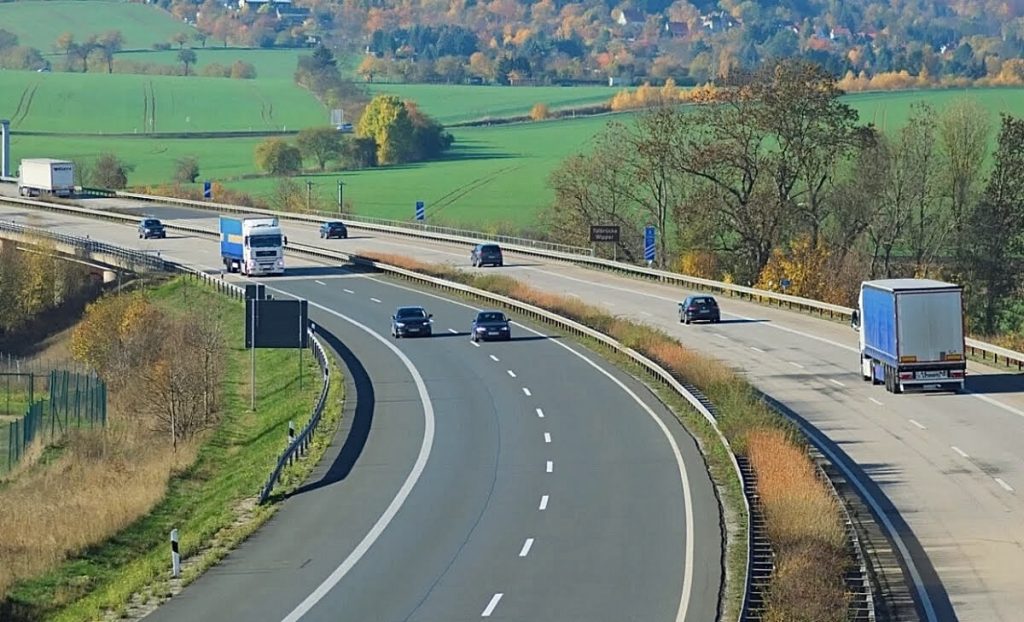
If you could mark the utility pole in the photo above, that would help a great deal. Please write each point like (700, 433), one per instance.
(309, 196)
(341, 202)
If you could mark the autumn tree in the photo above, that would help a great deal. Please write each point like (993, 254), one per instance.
(277, 157)
(995, 228)
(110, 43)
(186, 170)
(539, 112)
(321, 144)
(386, 121)
(964, 128)
(118, 335)
(179, 38)
(110, 171)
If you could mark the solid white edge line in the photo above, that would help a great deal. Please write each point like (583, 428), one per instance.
(547, 437)
(1005, 486)
(915, 422)
(511, 373)
(963, 454)
(540, 413)
(403, 493)
(543, 503)
(550, 467)
(491, 605)
(527, 392)
(526, 547)
(688, 563)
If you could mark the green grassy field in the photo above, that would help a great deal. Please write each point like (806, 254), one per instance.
(104, 103)
(270, 64)
(38, 23)
(452, 103)
(889, 111)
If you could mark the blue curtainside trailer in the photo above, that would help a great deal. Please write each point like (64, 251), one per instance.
(231, 239)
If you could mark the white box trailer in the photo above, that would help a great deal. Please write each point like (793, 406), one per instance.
(41, 176)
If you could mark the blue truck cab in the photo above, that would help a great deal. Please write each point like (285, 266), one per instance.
(252, 245)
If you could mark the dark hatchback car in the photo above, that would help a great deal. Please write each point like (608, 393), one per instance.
(486, 254)
(490, 325)
(151, 228)
(333, 229)
(409, 321)
(695, 308)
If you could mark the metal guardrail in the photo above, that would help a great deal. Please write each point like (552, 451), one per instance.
(690, 394)
(85, 247)
(981, 349)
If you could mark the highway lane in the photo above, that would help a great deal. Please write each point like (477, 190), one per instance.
(609, 544)
(961, 510)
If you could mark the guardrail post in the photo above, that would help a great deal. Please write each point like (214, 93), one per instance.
(175, 555)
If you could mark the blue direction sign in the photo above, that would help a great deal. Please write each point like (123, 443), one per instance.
(785, 283)
(421, 211)
(649, 243)
(207, 190)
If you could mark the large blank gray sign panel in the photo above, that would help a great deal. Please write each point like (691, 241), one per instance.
(278, 323)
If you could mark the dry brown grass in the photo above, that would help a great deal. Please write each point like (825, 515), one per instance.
(804, 527)
(100, 483)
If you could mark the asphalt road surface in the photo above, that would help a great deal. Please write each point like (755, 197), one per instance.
(526, 480)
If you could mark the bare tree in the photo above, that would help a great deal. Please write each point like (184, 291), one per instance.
(963, 130)
(929, 223)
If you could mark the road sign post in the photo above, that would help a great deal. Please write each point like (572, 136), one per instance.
(421, 211)
(606, 233)
(649, 237)
(207, 190)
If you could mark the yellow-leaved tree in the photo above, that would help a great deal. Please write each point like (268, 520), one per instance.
(803, 264)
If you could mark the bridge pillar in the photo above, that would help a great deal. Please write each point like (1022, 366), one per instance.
(109, 276)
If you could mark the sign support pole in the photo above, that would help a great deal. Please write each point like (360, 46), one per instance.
(252, 361)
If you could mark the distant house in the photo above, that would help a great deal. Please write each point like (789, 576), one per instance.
(258, 4)
(677, 30)
(718, 20)
(291, 14)
(630, 17)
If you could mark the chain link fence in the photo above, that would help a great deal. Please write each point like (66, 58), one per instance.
(39, 405)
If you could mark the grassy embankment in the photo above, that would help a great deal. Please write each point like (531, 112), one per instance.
(91, 524)
(803, 518)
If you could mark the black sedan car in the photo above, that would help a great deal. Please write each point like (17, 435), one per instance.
(151, 228)
(409, 321)
(490, 325)
(484, 254)
(694, 308)
(333, 229)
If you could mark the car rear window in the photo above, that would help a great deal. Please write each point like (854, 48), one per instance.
(490, 248)
(491, 317)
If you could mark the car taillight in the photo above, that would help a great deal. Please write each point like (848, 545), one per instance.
(691, 309)
(906, 375)
(956, 373)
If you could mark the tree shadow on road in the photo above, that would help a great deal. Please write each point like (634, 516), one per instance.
(359, 386)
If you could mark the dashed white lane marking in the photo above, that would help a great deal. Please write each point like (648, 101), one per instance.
(348, 291)
(963, 454)
(511, 373)
(491, 605)
(527, 392)
(1006, 487)
(540, 413)
(526, 547)
(836, 382)
(494, 358)
(543, 503)
(914, 421)
(320, 283)
(647, 313)
(721, 336)
(551, 466)
(475, 344)
(874, 401)
(453, 331)
(756, 349)
(797, 365)
(547, 437)
(377, 300)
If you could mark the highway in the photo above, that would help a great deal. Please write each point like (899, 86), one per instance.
(946, 469)
(526, 480)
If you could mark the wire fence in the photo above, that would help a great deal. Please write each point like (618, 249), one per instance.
(42, 406)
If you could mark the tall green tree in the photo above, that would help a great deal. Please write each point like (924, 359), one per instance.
(995, 228)
(387, 122)
(322, 144)
(963, 132)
